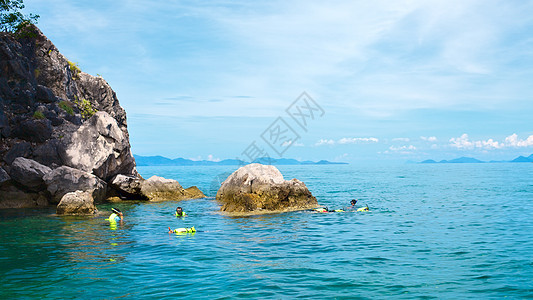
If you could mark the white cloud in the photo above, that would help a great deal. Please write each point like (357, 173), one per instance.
(513, 141)
(325, 142)
(405, 150)
(358, 140)
(346, 140)
(292, 143)
(402, 148)
(429, 139)
(441, 43)
(464, 142)
(489, 144)
(400, 139)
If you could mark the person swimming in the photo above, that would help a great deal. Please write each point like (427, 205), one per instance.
(180, 212)
(352, 204)
(116, 215)
(354, 208)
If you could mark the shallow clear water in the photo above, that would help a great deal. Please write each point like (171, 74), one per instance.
(434, 231)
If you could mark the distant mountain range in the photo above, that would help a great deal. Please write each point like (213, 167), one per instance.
(473, 160)
(164, 161)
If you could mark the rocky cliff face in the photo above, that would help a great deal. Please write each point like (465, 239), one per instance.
(61, 130)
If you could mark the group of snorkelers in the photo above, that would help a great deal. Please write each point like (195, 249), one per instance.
(352, 207)
(118, 216)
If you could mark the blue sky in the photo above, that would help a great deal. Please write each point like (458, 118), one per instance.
(396, 80)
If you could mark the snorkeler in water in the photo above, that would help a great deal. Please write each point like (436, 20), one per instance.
(180, 212)
(116, 215)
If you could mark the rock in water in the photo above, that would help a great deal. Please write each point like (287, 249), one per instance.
(193, 192)
(76, 203)
(65, 179)
(256, 188)
(127, 186)
(155, 188)
(158, 188)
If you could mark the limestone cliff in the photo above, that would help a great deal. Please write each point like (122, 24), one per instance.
(59, 127)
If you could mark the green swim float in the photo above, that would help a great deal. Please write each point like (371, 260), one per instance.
(182, 230)
(321, 210)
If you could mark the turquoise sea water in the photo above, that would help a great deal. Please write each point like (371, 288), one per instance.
(447, 231)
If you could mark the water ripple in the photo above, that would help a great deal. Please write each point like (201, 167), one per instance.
(437, 231)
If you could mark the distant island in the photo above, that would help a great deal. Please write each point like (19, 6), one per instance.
(464, 159)
(164, 161)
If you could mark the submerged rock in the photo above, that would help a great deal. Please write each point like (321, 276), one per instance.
(76, 203)
(256, 188)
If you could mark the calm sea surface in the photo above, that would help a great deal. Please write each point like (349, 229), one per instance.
(447, 231)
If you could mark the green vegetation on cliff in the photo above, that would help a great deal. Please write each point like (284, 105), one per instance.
(86, 108)
(74, 68)
(38, 115)
(67, 107)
